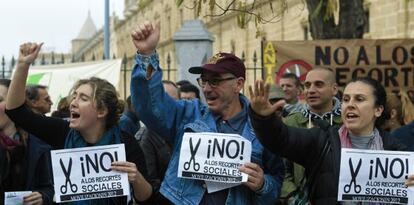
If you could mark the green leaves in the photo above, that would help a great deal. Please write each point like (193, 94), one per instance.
(179, 2)
(244, 10)
(331, 7)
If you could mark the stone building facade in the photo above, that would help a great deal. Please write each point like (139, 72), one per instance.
(387, 19)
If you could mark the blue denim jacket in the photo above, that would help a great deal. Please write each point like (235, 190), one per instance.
(170, 118)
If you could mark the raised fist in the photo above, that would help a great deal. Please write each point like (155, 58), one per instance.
(145, 37)
(28, 53)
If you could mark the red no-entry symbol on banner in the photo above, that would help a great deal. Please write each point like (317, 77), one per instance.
(300, 67)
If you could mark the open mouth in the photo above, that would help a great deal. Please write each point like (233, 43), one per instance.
(313, 98)
(74, 115)
(351, 116)
(211, 98)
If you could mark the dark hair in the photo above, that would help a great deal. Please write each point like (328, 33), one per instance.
(5, 82)
(105, 96)
(62, 110)
(32, 91)
(183, 82)
(190, 88)
(380, 97)
(293, 77)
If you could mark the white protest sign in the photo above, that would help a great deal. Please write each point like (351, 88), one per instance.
(85, 173)
(15, 198)
(214, 157)
(375, 176)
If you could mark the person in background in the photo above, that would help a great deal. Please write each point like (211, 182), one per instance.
(276, 94)
(95, 110)
(25, 159)
(183, 82)
(189, 91)
(221, 80)
(394, 113)
(129, 121)
(321, 104)
(38, 99)
(157, 151)
(407, 107)
(363, 104)
(404, 133)
(400, 111)
(171, 88)
(62, 109)
(292, 88)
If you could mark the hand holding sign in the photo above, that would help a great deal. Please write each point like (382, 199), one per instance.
(256, 176)
(89, 173)
(215, 157)
(35, 198)
(128, 167)
(382, 179)
(409, 181)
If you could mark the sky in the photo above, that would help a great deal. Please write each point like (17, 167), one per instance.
(54, 22)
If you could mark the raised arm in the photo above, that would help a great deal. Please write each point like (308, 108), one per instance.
(27, 55)
(296, 144)
(51, 130)
(156, 109)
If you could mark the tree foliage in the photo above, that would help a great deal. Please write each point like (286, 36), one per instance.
(349, 14)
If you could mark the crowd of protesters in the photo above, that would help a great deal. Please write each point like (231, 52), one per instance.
(297, 129)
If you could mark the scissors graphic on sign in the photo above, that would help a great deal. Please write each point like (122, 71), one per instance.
(64, 188)
(354, 173)
(196, 166)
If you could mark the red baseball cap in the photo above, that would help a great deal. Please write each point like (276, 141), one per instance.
(222, 63)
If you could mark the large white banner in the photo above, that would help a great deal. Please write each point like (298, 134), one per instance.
(85, 173)
(214, 157)
(375, 176)
(61, 78)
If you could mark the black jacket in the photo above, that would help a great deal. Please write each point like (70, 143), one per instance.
(304, 146)
(55, 130)
(157, 152)
(38, 174)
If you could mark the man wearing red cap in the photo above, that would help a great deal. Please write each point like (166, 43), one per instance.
(221, 80)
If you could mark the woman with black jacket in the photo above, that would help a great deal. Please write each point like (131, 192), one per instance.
(95, 110)
(363, 103)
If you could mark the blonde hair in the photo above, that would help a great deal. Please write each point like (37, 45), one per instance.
(105, 96)
(394, 103)
(407, 107)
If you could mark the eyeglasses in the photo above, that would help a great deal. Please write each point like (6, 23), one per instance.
(214, 82)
